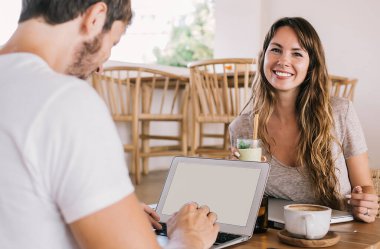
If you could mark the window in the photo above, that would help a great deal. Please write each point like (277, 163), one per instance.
(152, 35)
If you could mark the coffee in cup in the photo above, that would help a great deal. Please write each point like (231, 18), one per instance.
(307, 220)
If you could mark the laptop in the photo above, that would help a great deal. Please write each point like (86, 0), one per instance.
(276, 213)
(232, 189)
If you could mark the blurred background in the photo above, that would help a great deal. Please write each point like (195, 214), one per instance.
(174, 32)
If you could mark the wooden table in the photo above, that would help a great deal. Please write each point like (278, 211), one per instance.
(181, 71)
(367, 236)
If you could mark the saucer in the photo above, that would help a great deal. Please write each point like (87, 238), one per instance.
(330, 239)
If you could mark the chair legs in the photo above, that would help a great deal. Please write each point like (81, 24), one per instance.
(200, 135)
(145, 146)
(137, 168)
(135, 142)
(145, 161)
(195, 138)
(145, 126)
(184, 138)
(226, 137)
(131, 164)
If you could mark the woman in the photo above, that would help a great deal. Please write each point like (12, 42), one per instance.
(318, 151)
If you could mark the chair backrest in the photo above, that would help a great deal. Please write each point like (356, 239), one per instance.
(121, 88)
(117, 87)
(376, 184)
(163, 93)
(343, 87)
(221, 87)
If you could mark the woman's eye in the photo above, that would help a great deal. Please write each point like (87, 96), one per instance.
(298, 54)
(275, 50)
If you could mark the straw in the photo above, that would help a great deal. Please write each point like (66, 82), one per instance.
(255, 126)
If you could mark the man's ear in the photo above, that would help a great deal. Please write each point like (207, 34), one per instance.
(93, 19)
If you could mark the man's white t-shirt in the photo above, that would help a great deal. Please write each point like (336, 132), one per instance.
(60, 156)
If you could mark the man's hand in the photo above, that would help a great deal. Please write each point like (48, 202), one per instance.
(152, 216)
(193, 227)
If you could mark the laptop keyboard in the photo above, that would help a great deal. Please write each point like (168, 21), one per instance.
(220, 239)
(225, 237)
(163, 231)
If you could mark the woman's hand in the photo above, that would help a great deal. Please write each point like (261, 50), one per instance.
(234, 154)
(152, 216)
(365, 206)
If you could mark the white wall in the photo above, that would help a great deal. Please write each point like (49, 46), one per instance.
(236, 28)
(8, 19)
(348, 29)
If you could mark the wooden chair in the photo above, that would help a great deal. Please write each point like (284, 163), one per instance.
(343, 87)
(165, 99)
(376, 183)
(220, 88)
(120, 93)
(139, 96)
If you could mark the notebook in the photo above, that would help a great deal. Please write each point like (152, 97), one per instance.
(232, 189)
(276, 213)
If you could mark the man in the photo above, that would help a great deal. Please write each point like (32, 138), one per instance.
(63, 180)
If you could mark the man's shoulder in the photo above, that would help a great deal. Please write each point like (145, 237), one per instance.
(29, 79)
(30, 69)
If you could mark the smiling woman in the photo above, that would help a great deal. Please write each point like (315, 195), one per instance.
(318, 151)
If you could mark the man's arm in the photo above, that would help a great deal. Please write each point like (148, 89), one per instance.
(125, 225)
(121, 225)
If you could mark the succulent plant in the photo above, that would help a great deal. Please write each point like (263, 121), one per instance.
(244, 144)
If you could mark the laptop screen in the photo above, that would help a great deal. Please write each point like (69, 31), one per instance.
(228, 191)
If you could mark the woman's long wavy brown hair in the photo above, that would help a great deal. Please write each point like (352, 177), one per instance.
(313, 110)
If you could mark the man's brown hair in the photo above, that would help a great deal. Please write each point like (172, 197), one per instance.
(61, 11)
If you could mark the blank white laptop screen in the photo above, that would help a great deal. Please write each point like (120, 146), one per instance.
(232, 202)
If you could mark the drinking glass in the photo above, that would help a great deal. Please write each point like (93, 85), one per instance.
(251, 149)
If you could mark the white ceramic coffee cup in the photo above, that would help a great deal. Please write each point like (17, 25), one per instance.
(307, 220)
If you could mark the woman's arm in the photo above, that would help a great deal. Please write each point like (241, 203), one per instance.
(364, 200)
